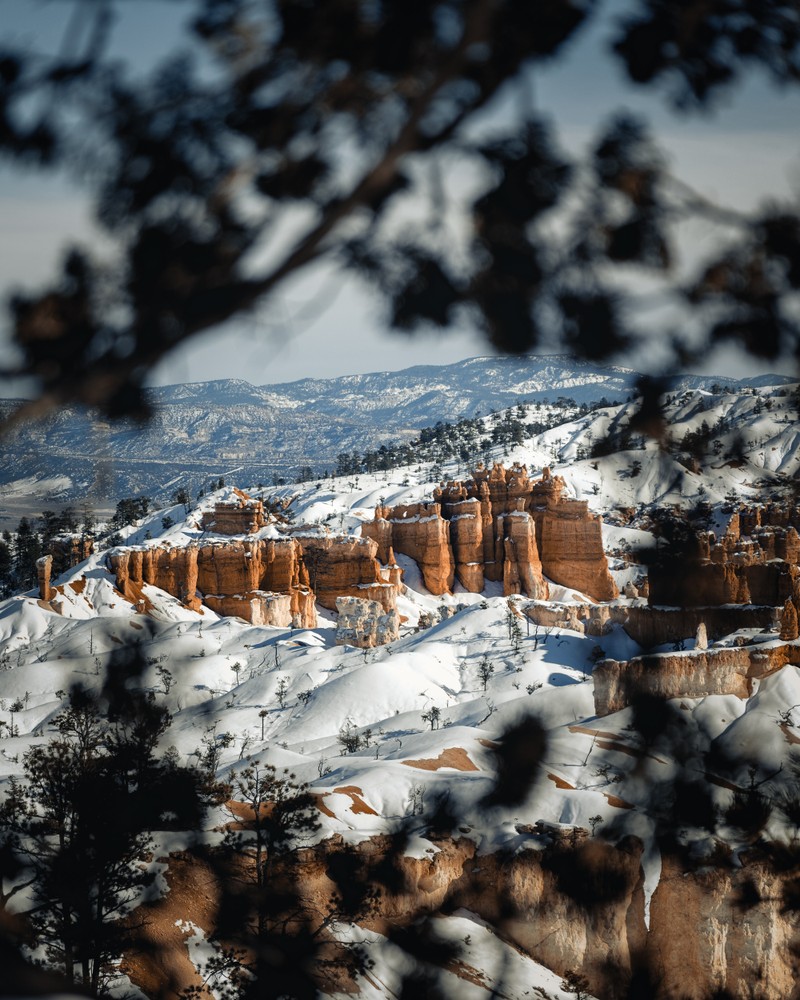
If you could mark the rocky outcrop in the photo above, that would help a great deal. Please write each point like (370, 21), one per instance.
(654, 626)
(567, 900)
(500, 525)
(240, 514)
(44, 569)
(522, 567)
(338, 566)
(695, 674)
(365, 623)
(244, 577)
(256, 607)
(419, 531)
(755, 561)
(247, 577)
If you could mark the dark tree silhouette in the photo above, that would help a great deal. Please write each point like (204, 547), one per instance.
(352, 111)
(75, 833)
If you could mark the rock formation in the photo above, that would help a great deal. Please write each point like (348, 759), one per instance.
(419, 531)
(701, 637)
(241, 514)
(499, 526)
(754, 562)
(789, 620)
(693, 674)
(44, 569)
(564, 898)
(342, 565)
(250, 577)
(245, 574)
(365, 623)
(650, 626)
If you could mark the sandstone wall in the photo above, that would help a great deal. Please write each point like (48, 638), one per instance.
(256, 607)
(571, 546)
(44, 569)
(337, 566)
(245, 577)
(653, 626)
(245, 574)
(420, 532)
(755, 561)
(695, 674)
(499, 526)
(573, 903)
(239, 515)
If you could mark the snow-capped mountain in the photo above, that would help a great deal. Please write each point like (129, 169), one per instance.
(200, 431)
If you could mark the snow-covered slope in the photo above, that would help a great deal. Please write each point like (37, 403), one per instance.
(200, 431)
(425, 710)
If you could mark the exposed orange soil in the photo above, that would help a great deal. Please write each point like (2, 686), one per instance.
(455, 757)
(162, 968)
(560, 782)
(617, 802)
(788, 734)
(595, 732)
(358, 803)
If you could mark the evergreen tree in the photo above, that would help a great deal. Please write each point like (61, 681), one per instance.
(27, 550)
(80, 825)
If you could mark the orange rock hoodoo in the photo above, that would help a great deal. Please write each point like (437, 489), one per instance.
(499, 526)
(240, 515)
(265, 581)
(754, 562)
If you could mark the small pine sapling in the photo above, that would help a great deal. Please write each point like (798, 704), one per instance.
(485, 671)
(573, 982)
(165, 676)
(281, 691)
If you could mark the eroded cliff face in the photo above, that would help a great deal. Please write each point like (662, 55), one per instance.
(237, 577)
(364, 623)
(419, 531)
(343, 566)
(241, 514)
(570, 903)
(499, 525)
(696, 674)
(266, 581)
(755, 561)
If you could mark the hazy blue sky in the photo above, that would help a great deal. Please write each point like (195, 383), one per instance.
(748, 150)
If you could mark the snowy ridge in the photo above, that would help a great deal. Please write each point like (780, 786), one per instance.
(229, 427)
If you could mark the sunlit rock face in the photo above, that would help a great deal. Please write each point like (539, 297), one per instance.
(342, 565)
(234, 577)
(365, 623)
(240, 514)
(244, 577)
(692, 674)
(499, 526)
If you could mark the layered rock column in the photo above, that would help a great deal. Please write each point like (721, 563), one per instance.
(337, 566)
(522, 567)
(237, 577)
(418, 531)
(500, 526)
(571, 546)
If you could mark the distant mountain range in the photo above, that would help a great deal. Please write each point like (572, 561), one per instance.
(204, 430)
